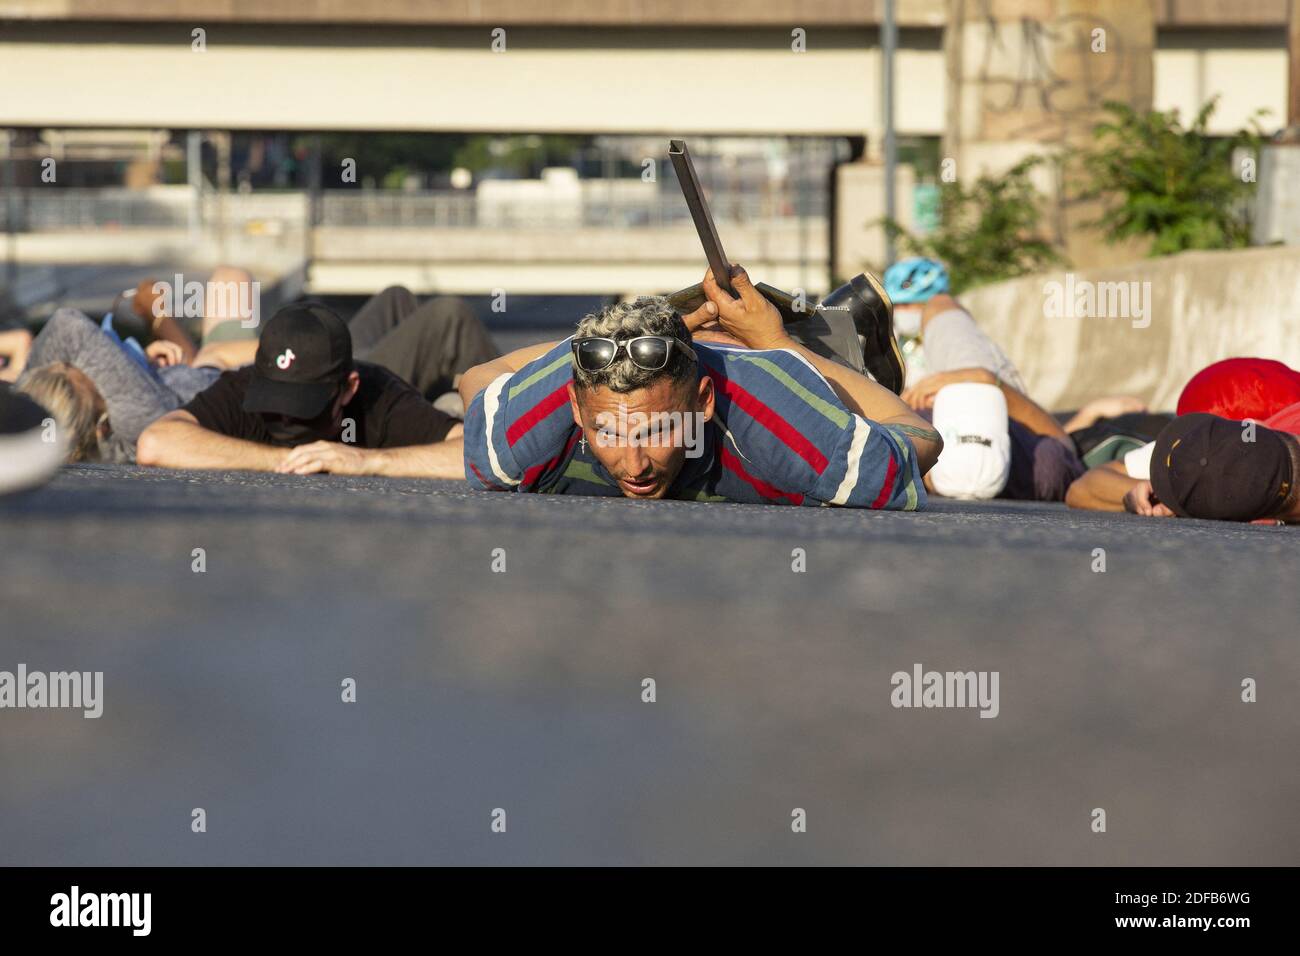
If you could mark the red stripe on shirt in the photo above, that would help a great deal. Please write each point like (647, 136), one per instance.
(766, 416)
(491, 484)
(537, 471)
(888, 488)
(732, 463)
(528, 419)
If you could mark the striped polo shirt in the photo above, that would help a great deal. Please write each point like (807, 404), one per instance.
(779, 435)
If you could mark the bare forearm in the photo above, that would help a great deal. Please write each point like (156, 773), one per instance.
(444, 459)
(1100, 489)
(232, 354)
(1023, 409)
(181, 444)
(1085, 417)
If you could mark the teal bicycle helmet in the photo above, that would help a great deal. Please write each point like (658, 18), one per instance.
(914, 280)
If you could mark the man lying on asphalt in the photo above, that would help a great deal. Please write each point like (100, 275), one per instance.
(306, 406)
(1207, 466)
(631, 406)
(1236, 389)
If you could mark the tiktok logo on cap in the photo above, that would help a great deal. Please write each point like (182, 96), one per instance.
(285, 359)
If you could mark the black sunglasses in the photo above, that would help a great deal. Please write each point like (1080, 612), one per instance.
(648, 352)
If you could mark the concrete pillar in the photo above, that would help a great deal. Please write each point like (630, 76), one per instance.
(1277, 216)
(1029, 77)
(859, 240)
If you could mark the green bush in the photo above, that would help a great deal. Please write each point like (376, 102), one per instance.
(1172, 183)
(987, 232)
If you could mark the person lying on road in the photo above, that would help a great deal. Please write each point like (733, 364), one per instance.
(306, 406)
(631, 406)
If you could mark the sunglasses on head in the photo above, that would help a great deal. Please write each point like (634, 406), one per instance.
(648, 352)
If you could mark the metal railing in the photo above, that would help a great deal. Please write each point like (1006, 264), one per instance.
(465, 210)
(38, 210)
(53, 209)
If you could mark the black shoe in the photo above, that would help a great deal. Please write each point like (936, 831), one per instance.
(873, 317)
(27, 459)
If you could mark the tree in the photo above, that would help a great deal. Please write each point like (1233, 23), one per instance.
(987, 232)
(1175, 184)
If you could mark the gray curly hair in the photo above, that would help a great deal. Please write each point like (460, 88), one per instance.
(647, 315)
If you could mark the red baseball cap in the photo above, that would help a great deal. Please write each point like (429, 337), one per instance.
(1241, 388)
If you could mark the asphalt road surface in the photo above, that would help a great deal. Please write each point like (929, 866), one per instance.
(521, 690)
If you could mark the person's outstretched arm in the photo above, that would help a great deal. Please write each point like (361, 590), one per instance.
(177, 440)
(1023, 409)
(1108, 406)
(443, 459)
(235, 353)
(1102, 488)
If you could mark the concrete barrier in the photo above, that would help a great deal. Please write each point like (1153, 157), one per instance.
(1168, 319)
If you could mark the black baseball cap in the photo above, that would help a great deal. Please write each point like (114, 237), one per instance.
(304, 355)
(1205, 466)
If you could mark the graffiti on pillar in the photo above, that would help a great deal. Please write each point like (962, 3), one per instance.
(1039, 79)
(1047, 70)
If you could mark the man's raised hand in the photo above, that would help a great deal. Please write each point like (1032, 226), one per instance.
(164, 354)
(750, 317)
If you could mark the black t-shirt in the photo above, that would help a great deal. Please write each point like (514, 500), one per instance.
(388, 412)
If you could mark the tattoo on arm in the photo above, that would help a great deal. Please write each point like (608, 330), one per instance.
(916, 431)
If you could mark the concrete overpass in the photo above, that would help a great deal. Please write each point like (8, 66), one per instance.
(661, 67)
(623, 66)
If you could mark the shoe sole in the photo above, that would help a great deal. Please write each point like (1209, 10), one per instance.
(899, 367)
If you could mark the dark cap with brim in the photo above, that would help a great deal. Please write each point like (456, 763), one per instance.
(295, 399)
(303, 357)
(1205, 466)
